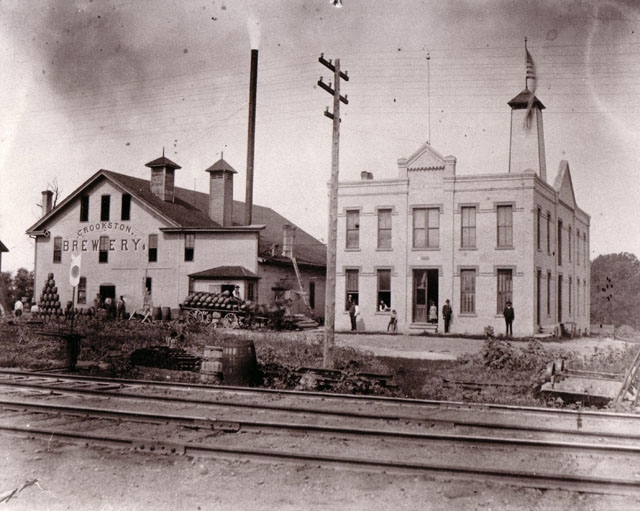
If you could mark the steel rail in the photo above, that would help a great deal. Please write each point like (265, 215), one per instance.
(325, 412)
(235, 425)
(329, 396)
(589, 484)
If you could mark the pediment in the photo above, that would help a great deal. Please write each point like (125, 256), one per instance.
(426, 158)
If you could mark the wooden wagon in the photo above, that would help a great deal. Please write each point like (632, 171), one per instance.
(223, 310)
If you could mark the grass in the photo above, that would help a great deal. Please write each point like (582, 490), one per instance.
(504, 372)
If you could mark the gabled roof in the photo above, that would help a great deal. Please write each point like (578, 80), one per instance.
(522, 101)
(564, 185)
(190, 209)
(235, 272)
(3, 248)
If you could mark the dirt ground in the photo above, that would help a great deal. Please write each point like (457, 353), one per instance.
(450, 348)
(71, 477)
(77, 477)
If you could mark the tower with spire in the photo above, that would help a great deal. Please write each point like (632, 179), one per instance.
(526, 147)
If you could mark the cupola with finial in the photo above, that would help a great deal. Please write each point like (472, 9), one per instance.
(163, 178)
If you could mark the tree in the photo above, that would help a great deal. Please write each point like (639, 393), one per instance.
(6, 294)
(615, 290)
(23, 284)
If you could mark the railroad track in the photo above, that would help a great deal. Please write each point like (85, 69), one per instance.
(589, 451)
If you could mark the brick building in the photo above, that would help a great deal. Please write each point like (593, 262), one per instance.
(478, 240)
(135, 235)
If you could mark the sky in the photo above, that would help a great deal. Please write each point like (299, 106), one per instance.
(110, 84)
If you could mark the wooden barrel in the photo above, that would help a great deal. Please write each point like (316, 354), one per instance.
(166, 313)
(156, 313)
(239, 363)
(211, 366)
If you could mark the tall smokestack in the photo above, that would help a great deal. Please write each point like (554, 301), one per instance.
(253, 82)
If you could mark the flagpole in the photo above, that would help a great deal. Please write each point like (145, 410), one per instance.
(525, 54)
(73, 307)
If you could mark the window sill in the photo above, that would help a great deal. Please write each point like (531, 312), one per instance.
(425, 249)
(352, 250)
(384, 249)
(464, 249)
(467, 315)
(505, 248)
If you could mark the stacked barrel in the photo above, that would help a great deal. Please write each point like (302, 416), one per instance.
(49, 299)
(216, 301)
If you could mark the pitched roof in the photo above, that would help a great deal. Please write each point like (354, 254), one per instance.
(190, 209)
(563, 184)
(225, 272)
(163, 161)
(221, 165)
(522, 100)
(3, 248)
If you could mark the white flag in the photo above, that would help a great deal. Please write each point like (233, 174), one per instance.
(74, 270)
(530, 75)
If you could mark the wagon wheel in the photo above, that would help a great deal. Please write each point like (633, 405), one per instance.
(230, 320)
(203, 317)
(192, 317)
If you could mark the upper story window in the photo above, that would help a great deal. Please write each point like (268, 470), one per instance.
(153, 248)
(468, 231)
(189, 247)
(353, 229)
(570, 244)
(105, 207)
(559, 243)
(125, 212)
(505, 226)
(548, 233)
(426, 228)
(578, 247)
(467, 291)
(57, 249)
(84, 208)
(586, 251)
(103, 254)
(384, 228)
(538, 230)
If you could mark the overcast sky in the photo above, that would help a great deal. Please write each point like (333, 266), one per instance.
(108, 84)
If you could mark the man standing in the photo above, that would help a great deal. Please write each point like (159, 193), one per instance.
(446, 315)
(509, 316)
(18, 308)
(120, 308)
(352, 313)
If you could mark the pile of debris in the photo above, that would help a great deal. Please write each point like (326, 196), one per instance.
(164, 357)
(298, 322)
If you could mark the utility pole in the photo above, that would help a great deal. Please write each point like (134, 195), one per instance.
(330, 293)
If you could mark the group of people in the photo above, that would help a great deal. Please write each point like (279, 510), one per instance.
(447, 315)
(116, 309)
